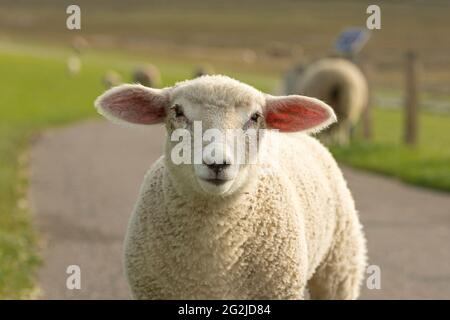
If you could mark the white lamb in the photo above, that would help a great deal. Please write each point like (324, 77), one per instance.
(239, 231)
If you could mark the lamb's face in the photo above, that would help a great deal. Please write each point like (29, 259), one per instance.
(210, 121)
(219, 116)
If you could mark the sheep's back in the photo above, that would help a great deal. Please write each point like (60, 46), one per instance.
(339, 83)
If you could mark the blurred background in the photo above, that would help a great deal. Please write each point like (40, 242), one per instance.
(50, 76)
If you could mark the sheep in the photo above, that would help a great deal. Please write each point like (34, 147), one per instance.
(73, 65)
(279, 50)
(338, 82)
(249, 56)
(203, 70)
(111, 79)
(218, 229)
(289, 83)
(147, 75)
(79, 44)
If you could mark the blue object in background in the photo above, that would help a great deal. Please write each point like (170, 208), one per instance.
(351, 41)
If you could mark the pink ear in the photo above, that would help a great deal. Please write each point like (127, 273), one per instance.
(134, 104)
(297, 113)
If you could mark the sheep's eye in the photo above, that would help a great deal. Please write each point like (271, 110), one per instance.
(178, 111)
(255, 117)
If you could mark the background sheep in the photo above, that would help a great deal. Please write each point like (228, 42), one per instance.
(79, 44)
(338, 82)
(111, 79)
(291, 78)
(223, 230)
(73, 65)
(249, 56)
(147, 75)
(203, 70)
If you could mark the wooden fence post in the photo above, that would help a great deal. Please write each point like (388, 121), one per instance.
(367, 69)
(411, 100)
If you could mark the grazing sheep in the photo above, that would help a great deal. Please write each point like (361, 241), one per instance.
(111, 79)
(249, 56)
(203, 70)
(73, 65)
(289, 84)
(147, 75)
(79, 44)
(223, 230)
(338, 82)
(279, 50)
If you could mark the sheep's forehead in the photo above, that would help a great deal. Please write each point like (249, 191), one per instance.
(218, 92)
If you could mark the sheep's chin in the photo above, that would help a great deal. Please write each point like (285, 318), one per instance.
(213, 189)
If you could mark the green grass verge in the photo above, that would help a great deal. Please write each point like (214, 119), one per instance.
(38, 93)
(427, 164)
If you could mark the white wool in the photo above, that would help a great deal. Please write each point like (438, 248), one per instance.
(218, 89)
(295, 228)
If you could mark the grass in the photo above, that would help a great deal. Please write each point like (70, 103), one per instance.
(216, 31)
(427, 164)
(37, 93)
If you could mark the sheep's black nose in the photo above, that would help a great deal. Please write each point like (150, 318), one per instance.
(216, 167)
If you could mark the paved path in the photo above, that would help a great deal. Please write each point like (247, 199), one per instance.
(85, 180)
